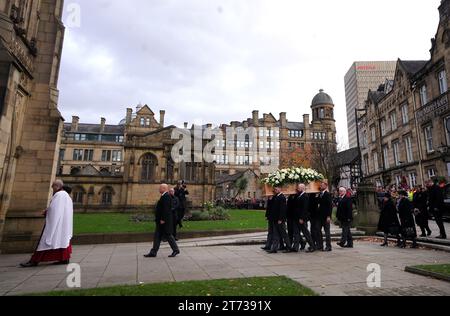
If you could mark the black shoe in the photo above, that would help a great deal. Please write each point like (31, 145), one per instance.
(272, 251)
(150, 255)
(441, 237)
(385, 244)
(174, 254)
(29, 265)
(310, 250)
(415, 246)
(340, 245)
(176, 239)
(327, 250)
(265, 248)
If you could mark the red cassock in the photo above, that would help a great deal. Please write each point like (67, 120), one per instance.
(58, 255)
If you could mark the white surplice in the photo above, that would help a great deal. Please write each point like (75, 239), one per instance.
(58, 223)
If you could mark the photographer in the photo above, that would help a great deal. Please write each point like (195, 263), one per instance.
(181, 192)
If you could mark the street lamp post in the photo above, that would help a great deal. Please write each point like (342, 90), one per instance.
(358, 140)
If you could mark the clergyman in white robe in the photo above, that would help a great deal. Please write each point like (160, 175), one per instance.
(55, 242)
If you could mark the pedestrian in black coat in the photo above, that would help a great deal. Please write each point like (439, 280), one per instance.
(164, 224)
(389, 223)
(278, 215)
(301, 220)
(345, 216)
(324, 213)
(436, 206)
(420, 200)
(406, 212)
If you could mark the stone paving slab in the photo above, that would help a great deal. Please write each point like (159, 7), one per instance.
(341, 272)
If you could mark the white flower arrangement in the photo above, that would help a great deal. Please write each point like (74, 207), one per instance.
(293, 176)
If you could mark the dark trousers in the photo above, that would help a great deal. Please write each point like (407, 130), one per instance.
(326, 227)
(347, 237)
(315, 234)
(280, 235)
(269, 235)
(180, 216)
(440, 223)
(298, 230)
(290, 227)
(160, 233)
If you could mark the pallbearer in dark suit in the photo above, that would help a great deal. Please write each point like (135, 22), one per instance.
(345, 217)
(315, 221)
(301, 219)
(278, 217)
(291, 217)
(325, 211)
(269, 216)
(164, 224)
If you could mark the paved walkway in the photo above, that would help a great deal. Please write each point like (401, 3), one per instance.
(342, 272)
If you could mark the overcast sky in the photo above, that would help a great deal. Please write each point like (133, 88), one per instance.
(210, 61)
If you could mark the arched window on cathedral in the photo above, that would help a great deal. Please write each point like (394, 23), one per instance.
(169, 170)
(78, 194)
(149, 164)
(107, 195)
(75, 171)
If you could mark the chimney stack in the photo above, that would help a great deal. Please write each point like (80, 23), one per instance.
(162, 115)
(283, 119)
(102, 124)
(129, 116)
(255, 118)
(306, 120)
(75, 122)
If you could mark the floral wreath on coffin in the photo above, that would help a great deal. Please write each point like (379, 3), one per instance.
(292, 176)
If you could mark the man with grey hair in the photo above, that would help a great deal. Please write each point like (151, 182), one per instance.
(164, 224)
(345, 217)
(55, 242)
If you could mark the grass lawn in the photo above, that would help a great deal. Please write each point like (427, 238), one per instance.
(269, 286)
(120, 223)
(443, 269)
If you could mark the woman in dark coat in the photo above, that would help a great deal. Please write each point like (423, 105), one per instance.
(405, 210)
(389, 223)
(421, 211)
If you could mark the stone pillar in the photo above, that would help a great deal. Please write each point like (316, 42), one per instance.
(38, 137)
(368, 211)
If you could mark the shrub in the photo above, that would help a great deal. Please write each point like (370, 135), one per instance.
(198, 216)
(210, 213)
(219, 214)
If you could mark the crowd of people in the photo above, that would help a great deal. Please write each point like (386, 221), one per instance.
(288, 218)
(405, 209)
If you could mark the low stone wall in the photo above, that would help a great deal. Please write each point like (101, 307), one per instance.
(123, 238)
